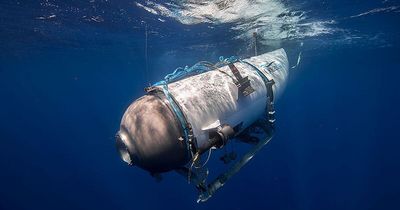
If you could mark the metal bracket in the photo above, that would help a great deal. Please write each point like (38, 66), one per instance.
(206, 191)
(243, 83)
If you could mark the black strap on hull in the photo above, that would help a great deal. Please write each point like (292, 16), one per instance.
(270, 110)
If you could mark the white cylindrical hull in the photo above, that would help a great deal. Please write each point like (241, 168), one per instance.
(212, 98)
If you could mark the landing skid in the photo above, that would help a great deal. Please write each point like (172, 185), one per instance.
(207, 190)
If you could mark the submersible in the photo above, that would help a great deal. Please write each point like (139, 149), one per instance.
(194, 110)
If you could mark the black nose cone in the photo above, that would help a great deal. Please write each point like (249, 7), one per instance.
(149, 136)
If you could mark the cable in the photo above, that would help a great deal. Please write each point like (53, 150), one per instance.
(205, 163)
(146, 55)
(194, 161)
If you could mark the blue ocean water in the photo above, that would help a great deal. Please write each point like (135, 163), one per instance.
(69, 69)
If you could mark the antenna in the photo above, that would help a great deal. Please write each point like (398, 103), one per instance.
(255, 42)
(146, 54)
